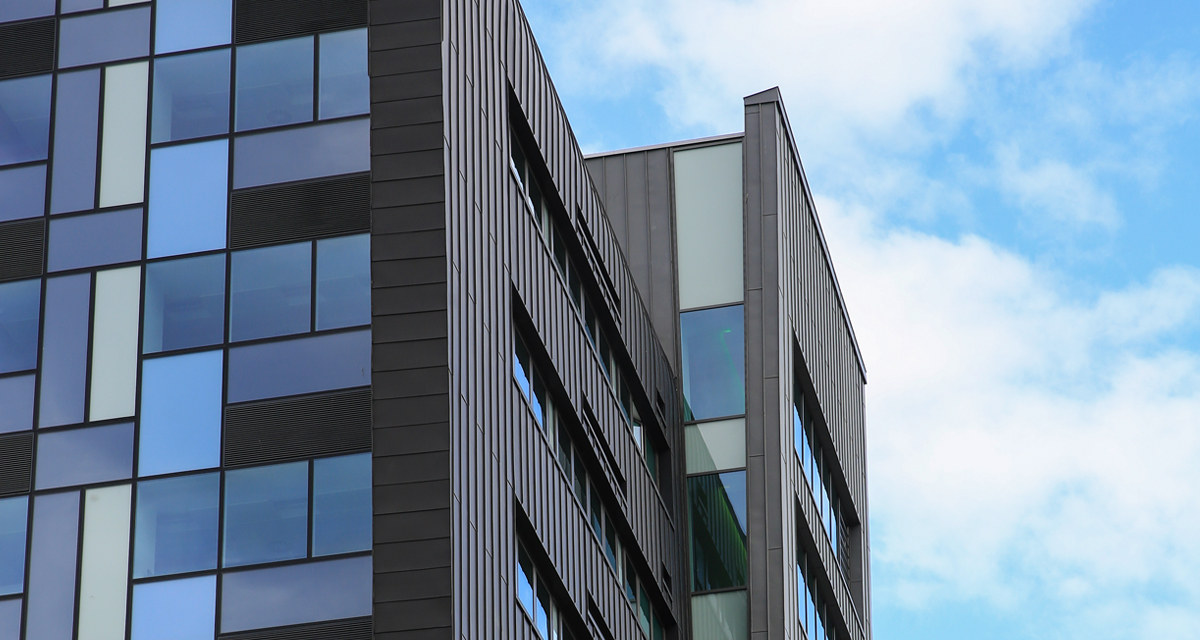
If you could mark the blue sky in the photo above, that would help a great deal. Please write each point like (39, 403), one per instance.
(1010, 192)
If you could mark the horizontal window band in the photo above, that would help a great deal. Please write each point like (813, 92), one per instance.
(257, 20)
(300, 211)
(348, 629)
(298, 427)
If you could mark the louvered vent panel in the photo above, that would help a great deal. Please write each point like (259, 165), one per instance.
(266, 19)
(300, 427)
(300, 211)
(27, 47)
(16, 463)
(352, 629)
(21, 246)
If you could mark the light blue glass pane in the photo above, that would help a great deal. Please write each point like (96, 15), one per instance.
(181, 413)
(270, 292)
(24, 119)
(714, 362)
(274, 83)
(14, 518)
(343, 282)
(188, 198)
(305, 365)
(22, 9)
(54, 540)
(345, 87)
(191, 24)
(76, 119)
(19, 313)
(71, 6)
(296, 594)
(176, 525)
(16, 396)
(10, 618)
(23, 191)
(266, 514)
(185, 303)
(104, 37)
(342, 504)
(96, 239)
(299, 154)
(175, 609)
(191, 96)
(64, 350)
(84, 456)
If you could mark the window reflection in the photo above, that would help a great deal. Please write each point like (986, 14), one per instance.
(718, 528)
(266, 514)
(19, 312)
(274, 83)
(24, 119)
(176, 527)
(270, 291)
(191, 96)
(714, 362)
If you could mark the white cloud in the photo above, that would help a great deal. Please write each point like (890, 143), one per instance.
(1057, 191)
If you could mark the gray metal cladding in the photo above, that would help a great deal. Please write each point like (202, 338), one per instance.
(300, 211)
(27, 48)
(256, 20)
(22, 246)
(350, 629)
(301, 427)
(16, 463)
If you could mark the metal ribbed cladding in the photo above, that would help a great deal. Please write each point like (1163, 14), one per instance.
(351, 629)
(21, 247)
(300, 211)
(16, 463)
(27, 47)
(298, 427)
(266, 19)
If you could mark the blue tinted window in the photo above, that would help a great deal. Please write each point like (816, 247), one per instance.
(266, 514)
(96, 239)
(191, 24)
(191, 96)
(24, 190)
(306, 365)
(343, 282)
(16, 396)
(10, 615)
(714, 362)
(718, 529)
(22, 9)
(175, 609)
(14, 518)
(64, 350)
(24, 119)
(299, 154)
(342, 504)
(176, 527)
(84, 456)
(274, 83)
(188, 198)
(76, 122)
(70, 6)
(345, 87)
(185, 303)
(296, 594)
(52, 553)
(19, 313)
(104, 37)
(181, 413)
(270, 292)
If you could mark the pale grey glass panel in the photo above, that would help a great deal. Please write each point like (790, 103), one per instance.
(189, 198)
(64, 350)
(304, 365)
(55, 538)
(22, 9)
(714, 362)
(84, 456)
(299, 154)
(715, 446)
(24, 119)
(181, 413)
(96, 239)
(185, 304)
(270, 291)
(76, 130)
(176, 528)
(191, 96)
(266, 514)
(104, 37)
(24, 192)
(341, 504)
(16, 396)
(345, 87)
(296, 594)
(19, 313)
(10, 618)
(191, 24)
(14, 518)
(708, 225)
(274, 83)
(720, 616)
(175, 609)
(71, 6)
(343, 282)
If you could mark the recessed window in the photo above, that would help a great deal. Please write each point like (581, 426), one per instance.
(14, 517)
(341, 504)
(180, 25)
(343, 282)
(24, 119)
(714, 362)
(189, 194)
(185, 304)
(191, 96)
(718, 530)
(345, 86)
(266, 514)
(270, 292)
(176, 529)
(181, 413)
(274, 83)
(19, 313)
(176, 609)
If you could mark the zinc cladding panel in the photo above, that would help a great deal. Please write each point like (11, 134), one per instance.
(410, 402)
(494, 247)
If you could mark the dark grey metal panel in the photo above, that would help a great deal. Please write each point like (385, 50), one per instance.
(16, 463)
(27, 47)
(300, 211)
(301, 427)
(256, 20)
(22, 246)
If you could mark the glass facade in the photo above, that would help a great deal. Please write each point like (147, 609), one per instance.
(119, 365)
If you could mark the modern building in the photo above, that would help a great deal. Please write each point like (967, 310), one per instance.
(315, 323)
